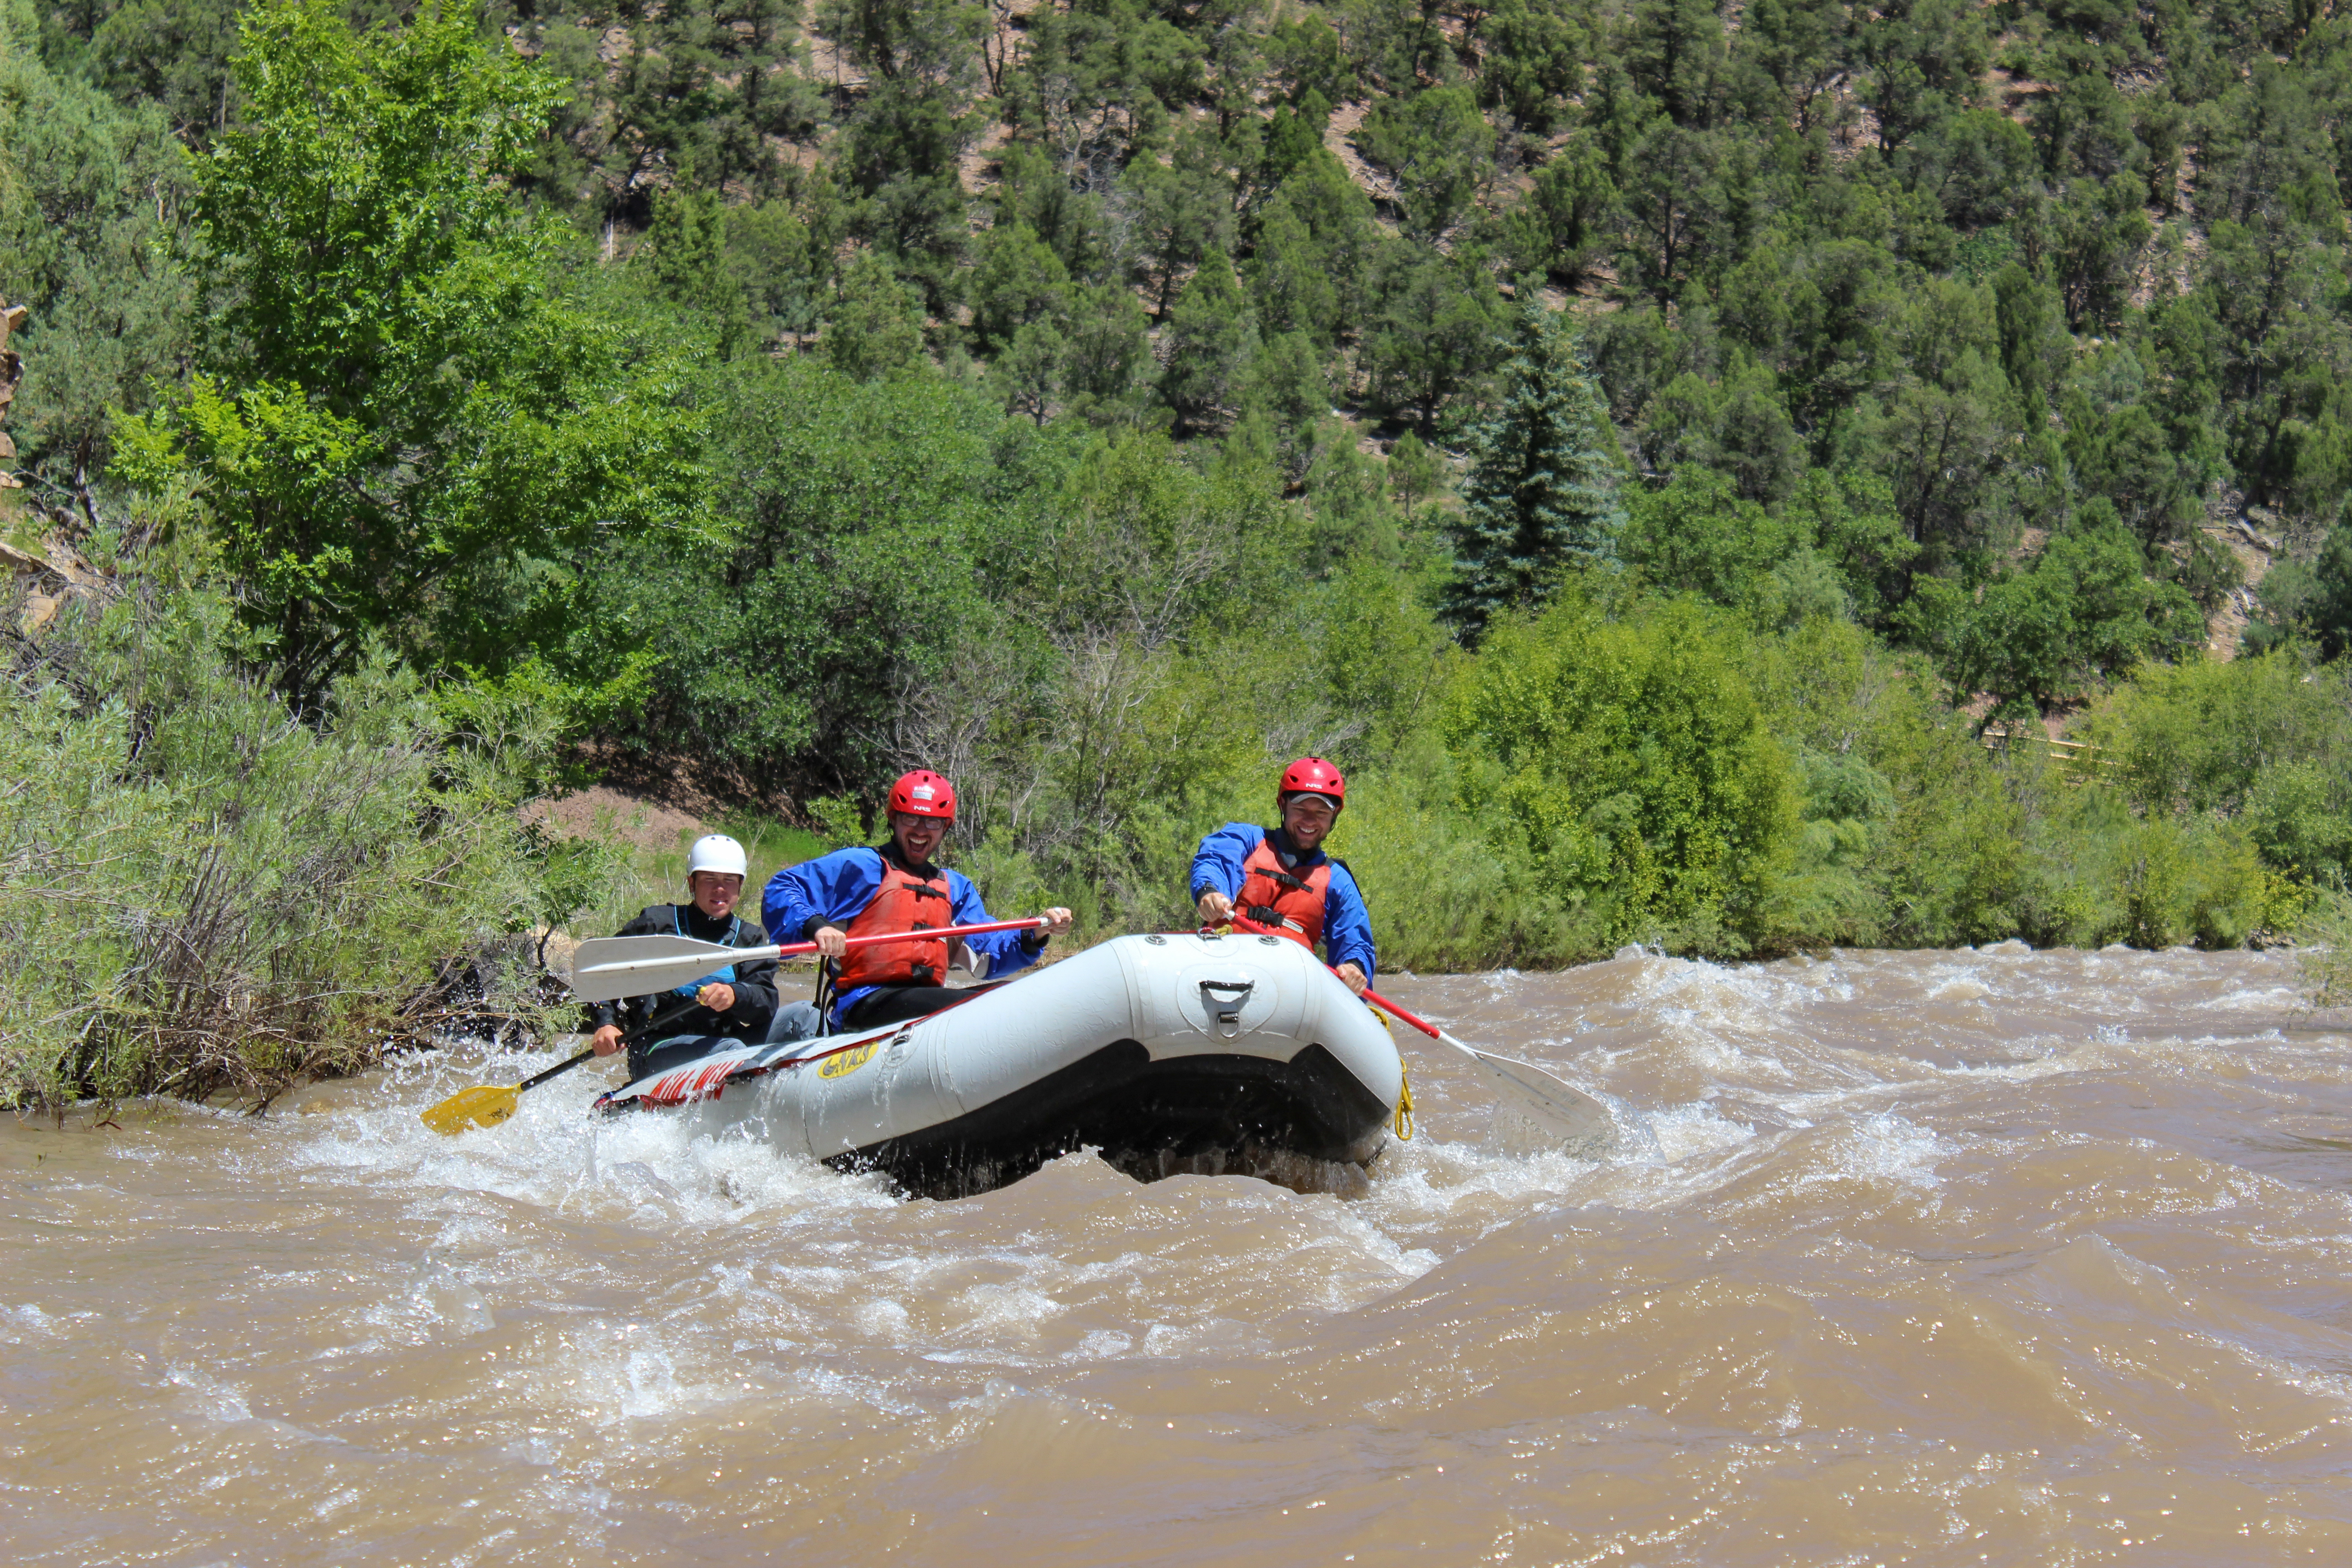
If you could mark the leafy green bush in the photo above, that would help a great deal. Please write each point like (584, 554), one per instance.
(2201, 736)
(1631, 762)
(1446, 889)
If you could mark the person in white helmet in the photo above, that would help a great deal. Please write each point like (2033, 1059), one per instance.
(735, 1004)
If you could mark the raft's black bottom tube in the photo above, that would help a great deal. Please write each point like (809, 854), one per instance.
(1150, 1119)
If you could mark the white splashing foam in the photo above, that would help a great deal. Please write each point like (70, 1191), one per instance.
(654, 1172)
(1885, 1147)
(29, 1317)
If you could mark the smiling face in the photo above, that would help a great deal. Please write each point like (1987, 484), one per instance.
(1306, 818)
(918, 836)
(715, 892)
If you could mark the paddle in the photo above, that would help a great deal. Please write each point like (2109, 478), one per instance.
(488, 1104)
(607, 967)
(1581, 1125)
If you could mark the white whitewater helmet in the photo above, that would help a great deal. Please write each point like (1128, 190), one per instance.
(717, 852)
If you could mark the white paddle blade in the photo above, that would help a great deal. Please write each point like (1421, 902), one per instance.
(1579, 1124)
(606, 968)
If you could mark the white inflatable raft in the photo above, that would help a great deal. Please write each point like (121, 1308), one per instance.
(1172, 1052)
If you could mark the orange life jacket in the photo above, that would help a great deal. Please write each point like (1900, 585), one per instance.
(905, 901)
(1287, 904)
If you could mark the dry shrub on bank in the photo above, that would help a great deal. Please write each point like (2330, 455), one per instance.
(203, 892)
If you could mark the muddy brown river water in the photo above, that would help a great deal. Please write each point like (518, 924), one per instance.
(1942, 1258)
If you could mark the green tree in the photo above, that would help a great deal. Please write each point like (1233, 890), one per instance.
(1181, 212)
(1738, 426)
(1541, 495)
(2096, 243)
(1567, 223)
(1437, 148)
(902, 150)
(2119, 449)
(1287, 385)
(876, 327)
(854, 517)
(1698, 535)
(2311, 600)
(691, 262)
(1030, 369)
(398, 417)
(1851, 518)
(784, 261)
(1435, 330)
(1533, 62)
(93, 198)
(173, 54)
(2081, 610)
(1106, 366)
(1672, 193)
(1019, 280)
(706, 88)
(1797, 46)
(1292, 138)
(1674, 51)
(1307, 52)
(1210, 342)
(1925, 60)
(2034, 347)
(1337, 218)
(1291, 283)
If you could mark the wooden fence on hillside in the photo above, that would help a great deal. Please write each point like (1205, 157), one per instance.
(2077, 759)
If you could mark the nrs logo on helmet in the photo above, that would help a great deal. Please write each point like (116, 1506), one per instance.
(923, 794)
(1313, 775)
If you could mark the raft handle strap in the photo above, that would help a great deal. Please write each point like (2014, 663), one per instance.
(1228, 1014)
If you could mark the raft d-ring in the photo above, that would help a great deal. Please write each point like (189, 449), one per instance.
(1228, 1014)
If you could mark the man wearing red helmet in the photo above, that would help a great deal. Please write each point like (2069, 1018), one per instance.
(1283, 880)
(893, 887)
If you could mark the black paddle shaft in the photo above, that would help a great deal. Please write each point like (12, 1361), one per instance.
(653, 1025)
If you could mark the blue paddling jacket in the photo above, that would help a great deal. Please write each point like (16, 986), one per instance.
(834, 890)
(1219, 865)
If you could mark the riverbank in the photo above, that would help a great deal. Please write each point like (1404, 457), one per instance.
(218, 891)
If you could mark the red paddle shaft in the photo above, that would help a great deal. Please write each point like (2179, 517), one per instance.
(1374, 997)
(1035, 922)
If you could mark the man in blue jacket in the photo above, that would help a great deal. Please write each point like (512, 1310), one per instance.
(893, 887)
(1284, 881)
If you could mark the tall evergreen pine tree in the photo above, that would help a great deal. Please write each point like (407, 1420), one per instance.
(1542, 492)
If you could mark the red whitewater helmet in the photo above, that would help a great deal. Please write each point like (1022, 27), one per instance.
(923, 794)
(1312, 775)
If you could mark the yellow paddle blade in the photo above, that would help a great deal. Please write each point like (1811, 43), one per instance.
(484, 1105)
